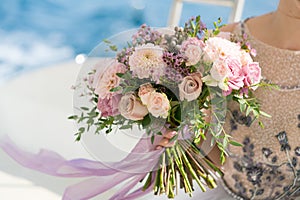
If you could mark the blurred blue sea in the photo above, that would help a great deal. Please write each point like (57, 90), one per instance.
(35, 34)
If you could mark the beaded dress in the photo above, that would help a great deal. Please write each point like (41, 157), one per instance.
(268, 165)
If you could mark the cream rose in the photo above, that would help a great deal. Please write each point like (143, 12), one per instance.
(158, 105)
(144, 92)
(191, 87)
(193, 53)
(131, 107)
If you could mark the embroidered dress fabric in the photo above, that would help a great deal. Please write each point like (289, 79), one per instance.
(268, 165)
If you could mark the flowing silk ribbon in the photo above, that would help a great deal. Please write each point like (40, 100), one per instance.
(101, 176)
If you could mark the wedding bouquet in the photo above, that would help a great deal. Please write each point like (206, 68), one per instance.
(178, 80)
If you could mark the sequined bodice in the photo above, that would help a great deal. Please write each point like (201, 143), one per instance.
(268, 165)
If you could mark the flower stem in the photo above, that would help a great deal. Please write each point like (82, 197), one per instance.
(189, 166)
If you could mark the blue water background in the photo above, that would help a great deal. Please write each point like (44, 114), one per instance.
(36, 34)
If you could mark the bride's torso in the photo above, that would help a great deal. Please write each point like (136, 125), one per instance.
(268, 165)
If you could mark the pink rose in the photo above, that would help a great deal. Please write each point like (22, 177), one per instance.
(131, 107)
(159, 105)
(109, 106)
(235, 76)
(252, 74)
(105, 81)
(191, 87)
(192, 49)
(144, 92)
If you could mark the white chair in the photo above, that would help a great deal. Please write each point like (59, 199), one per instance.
(236, 9)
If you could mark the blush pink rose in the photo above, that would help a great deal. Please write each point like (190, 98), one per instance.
(109, 106)
(107, 80)
(191, 87)
(131, 107)
(252, 74)
(159, 105)
(145, 91)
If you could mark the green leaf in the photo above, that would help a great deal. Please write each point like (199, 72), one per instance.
(265, 114)
(249, 109)
(235, 143)
(241, 101)
(90, 121)
(159, 133)
(84, 108)
(74, 117)
(255, 112)
(146, 121)
(243, 107)
(107, 41)
(152, 139)
(120, 74)
(127, 76)
(81, 129)
(261, 124)
(223, 158)
(113, 47)
(127, 126)
(115, 89)
(197, 140)
(216, 32)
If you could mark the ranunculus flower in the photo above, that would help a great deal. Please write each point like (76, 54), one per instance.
(131, 107)
(104, 81)
(252, 74)
(109, 106)
(191, 87)
(192, 49)
(159, 105)
(144, 92)
(147, 62)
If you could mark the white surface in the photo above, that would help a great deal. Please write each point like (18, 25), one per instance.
(34, 110)
(12, 187)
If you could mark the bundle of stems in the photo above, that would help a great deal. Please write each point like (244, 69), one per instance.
(179, 167)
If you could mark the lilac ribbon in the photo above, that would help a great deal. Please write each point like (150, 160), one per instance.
(102, 176)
